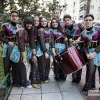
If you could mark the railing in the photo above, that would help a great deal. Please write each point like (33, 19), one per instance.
(4, 83)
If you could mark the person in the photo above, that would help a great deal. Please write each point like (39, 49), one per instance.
(9, 36)
(59, 47)
(73, 31)
(28, 43)
(57, 14)
(91, 38)
(43, 55)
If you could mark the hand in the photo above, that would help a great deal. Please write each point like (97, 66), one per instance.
(24, 60)
(54, 54)
(77, 41)
(11, 44)
(46, 55)
(20, 29)
(74, 42)
(92, 55)
(34, 58)
(88, 56)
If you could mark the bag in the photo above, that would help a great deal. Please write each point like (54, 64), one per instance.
(15, 54)
(28, 67)
(29, 53)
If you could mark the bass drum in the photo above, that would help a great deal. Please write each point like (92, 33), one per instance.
(70, 60)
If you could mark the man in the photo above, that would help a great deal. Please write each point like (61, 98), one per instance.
(72, 31)
(57, 14)
(91, 38)
(9, 37)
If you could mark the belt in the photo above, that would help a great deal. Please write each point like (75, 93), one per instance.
(12, 39)
(47, 40)
(75, 38)
(93, 44)
(60, 40)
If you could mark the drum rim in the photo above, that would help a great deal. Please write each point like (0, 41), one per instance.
(77, 70)
(64, 52)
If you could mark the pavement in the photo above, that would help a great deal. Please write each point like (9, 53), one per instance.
(62, 90)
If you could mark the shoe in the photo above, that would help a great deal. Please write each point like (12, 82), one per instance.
(29, 86)
(57, 79)
(36, 86)
(63, 77)
(99, 88)
(93, 86)
(8, 82)
(46, 81)
(86, 88)
(76, 81)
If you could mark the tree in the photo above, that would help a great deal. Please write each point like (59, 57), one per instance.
(28, 8)
(88, 6)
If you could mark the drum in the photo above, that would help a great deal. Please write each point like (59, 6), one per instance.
(70, 60)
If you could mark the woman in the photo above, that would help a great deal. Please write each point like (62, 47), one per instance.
(43, 50)
(58, 39)
(27, 41)
(91, 38)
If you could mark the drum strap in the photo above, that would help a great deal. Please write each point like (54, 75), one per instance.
(59, 65)
(99, 35)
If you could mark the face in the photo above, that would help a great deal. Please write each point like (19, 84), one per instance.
(57, 14)
(54, 23)
(68, 21)
(14, 17)
(29, 26)
(43, 22)
(88, 21)
(36, 21)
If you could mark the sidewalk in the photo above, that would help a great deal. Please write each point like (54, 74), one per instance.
(63, 90)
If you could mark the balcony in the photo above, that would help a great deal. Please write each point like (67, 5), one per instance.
(82, 0)
(82, 7)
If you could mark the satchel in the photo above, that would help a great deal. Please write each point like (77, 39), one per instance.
(29, 53)
(15, 54)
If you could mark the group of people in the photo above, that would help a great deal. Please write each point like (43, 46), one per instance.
(37, 40)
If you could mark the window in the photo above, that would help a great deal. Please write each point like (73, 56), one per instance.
(98, 16)
(74, 4)
(99, 8)
(81, 17)
(82, 7)
(73, 11)
(92, 6)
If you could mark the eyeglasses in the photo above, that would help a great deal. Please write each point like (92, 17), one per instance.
(88, 20)
(14, 15)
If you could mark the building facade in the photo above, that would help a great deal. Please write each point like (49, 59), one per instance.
(77, 9)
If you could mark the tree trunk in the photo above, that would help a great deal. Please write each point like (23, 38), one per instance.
(88, 6)
(54, 1)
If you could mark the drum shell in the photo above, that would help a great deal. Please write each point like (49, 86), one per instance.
(70, 60)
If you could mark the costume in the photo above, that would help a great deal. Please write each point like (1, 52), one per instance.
(9, 33)
(59, 46)
(91, 37)
(27, 44)
(72, 33)
(43, 47)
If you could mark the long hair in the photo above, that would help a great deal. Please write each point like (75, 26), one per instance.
(40, 26)
(35, 27)
(28, 20)
(58, 28)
